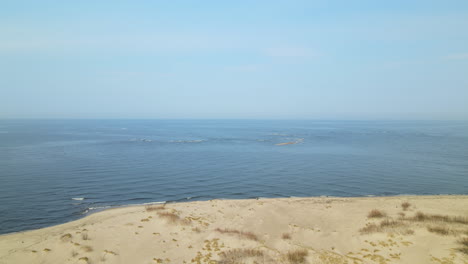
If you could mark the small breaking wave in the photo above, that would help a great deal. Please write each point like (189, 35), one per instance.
(78, 198)
(188, 141)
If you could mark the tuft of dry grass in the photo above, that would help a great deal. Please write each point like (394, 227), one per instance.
(444, 231)
(151, 208)
(286, 236)
(405, 206)
(390, 223)
(464, 243)
(47, 250)
(238, 255)
(384, 225)
(247, 235)
(84, 236)
(422, 217)
(173, 218)
(370, 228)
(74, 253)
(376, 214)
(66, 237)
(196, 230)
(297, 256)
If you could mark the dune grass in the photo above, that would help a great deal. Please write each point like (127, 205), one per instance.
(384, 225)
(422, 217)
(151, 208)
(173, 218)
(444, 231)
(247, 235)
(405, 206)
(464, 243)
(238, 255)
(376, 214)
(297, 256)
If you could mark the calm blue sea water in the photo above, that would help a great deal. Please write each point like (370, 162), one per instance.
(44, 164)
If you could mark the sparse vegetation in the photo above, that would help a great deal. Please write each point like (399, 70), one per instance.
(247, 235)
(47, 250)
(196, 230)
(66, 237)
(384, 225)
(405, 206)
(151, 208)
(297, 256)
(439, 230)
(173, 218)
(464, 243)
(376, 214)
(84, 236)
(286, 236)
(422, 217)
(390, 223)
(74, 253)
(238, 255)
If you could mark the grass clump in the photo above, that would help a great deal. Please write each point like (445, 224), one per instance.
(238, 255)
(297, 256)
(444, 231)
(151, 208)
(464, 243)
(84, 236)
(173, 218)
(247, 235)
(286, 236)
(384, 225)
(376, 214)
(405, 206)
(422, 217)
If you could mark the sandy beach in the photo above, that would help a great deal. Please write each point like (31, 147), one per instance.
(403, 229)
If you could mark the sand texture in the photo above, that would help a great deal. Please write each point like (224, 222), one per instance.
(404, 229)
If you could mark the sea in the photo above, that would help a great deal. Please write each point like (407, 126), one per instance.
(55, 171)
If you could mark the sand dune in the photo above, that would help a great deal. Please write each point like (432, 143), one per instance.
(428, 229)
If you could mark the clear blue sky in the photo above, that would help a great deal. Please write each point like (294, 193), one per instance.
(234, 59)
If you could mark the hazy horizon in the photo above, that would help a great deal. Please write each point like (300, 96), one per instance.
(301, 60)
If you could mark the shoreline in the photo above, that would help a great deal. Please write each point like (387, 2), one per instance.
(318, 225)
(94, 210)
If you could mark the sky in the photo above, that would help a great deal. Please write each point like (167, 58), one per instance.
(234, 59)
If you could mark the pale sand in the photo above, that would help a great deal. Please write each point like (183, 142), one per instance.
(327, 228)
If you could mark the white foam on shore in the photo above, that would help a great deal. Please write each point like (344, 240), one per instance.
(153, 203)
(78, 198)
